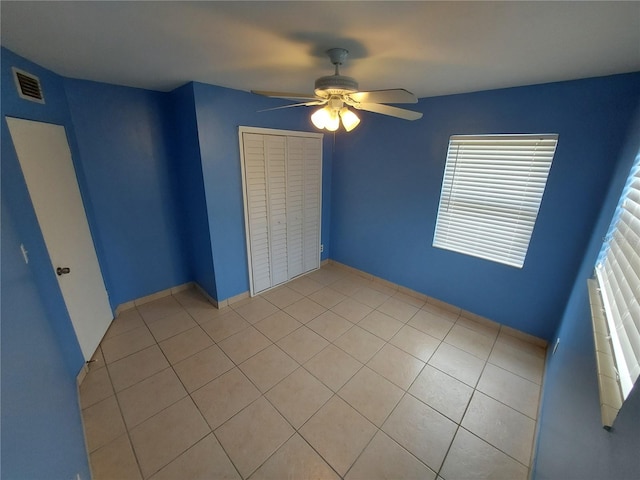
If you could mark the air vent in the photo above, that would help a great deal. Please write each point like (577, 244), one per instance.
(28, 86)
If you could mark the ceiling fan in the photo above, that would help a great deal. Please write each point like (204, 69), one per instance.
(338, 92)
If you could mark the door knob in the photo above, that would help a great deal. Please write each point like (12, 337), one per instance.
(62, 270)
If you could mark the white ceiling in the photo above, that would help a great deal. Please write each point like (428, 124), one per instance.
(429, 48)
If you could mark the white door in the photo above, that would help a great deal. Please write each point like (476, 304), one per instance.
(45, 159)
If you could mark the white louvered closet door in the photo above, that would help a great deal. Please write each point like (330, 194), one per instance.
(275, 156)
(295, 205)
(312, 202)
(282, 177)
(256, 210)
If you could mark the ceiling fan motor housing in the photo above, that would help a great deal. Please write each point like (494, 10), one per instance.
(335, 85)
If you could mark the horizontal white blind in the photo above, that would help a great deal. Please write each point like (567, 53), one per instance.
(618, 274)
(491, 193)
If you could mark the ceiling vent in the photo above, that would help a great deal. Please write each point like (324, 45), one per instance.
(28, 85)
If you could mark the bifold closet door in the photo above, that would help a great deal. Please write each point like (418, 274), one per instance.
(303, 203)
(282, 176)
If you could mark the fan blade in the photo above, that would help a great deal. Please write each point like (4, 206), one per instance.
(388, 110)
(293, 96)
(397, 95)
(307, 104)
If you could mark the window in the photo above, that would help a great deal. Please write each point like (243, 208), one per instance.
(491, 193)
(618, 280)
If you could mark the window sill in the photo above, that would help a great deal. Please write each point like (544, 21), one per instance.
(610, 393)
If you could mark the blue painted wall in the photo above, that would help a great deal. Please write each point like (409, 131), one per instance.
(219, 112)
(196, 236)
(40, 355)
(132, 183)
(386, 184)
(571, 441)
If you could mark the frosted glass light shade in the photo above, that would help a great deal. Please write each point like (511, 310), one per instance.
(320, 118)
(349, 119)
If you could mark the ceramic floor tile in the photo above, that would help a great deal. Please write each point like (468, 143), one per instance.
(384, 459)
(185, 344)
(171, 325)
(421, 430)
(523, 341)
(305, 285)
(134, 368)
(192, 298)
(457, 363)
(150, 396)
(115, 460)
(124, 322)
(381, 325)
(244, 344)
(305, 310)
(371, 395)
(398, 309)
(299, 396)
(302, 344)
(327, 275)
(282, 297)
(329, 325)
(370, 297)
(413, 341)
(470, 341)
(102, 423)
(95, 387)
(468, 454)
(163, 437)
(225, 396)
(278, 325)
(431, 324)
(348, 285)
(338, 433)
(510, 389)
(327, 297)
(133, 341)
(359, 343)
(447, 395)
(205, 460)
(352, 310)
(201, 368)
(295, 460)
(517, 360)
(442, 309)
(268, 367)
(501, 426)
(225, 325)
(206, 312)
(333, 367)
(333, 399)
(255, 309)
(157, 309)
(396, 366)
(410, 299)
(246, 449)
(483, 326)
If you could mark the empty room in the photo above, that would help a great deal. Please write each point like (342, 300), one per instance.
(320, 240)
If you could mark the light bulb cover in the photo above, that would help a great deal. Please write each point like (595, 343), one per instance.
(320, 118)
(333, 122)
(349, 119)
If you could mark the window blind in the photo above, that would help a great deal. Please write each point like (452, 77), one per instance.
(491, 194)
(618, 275)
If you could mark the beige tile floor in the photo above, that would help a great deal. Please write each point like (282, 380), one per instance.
(330, 376)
